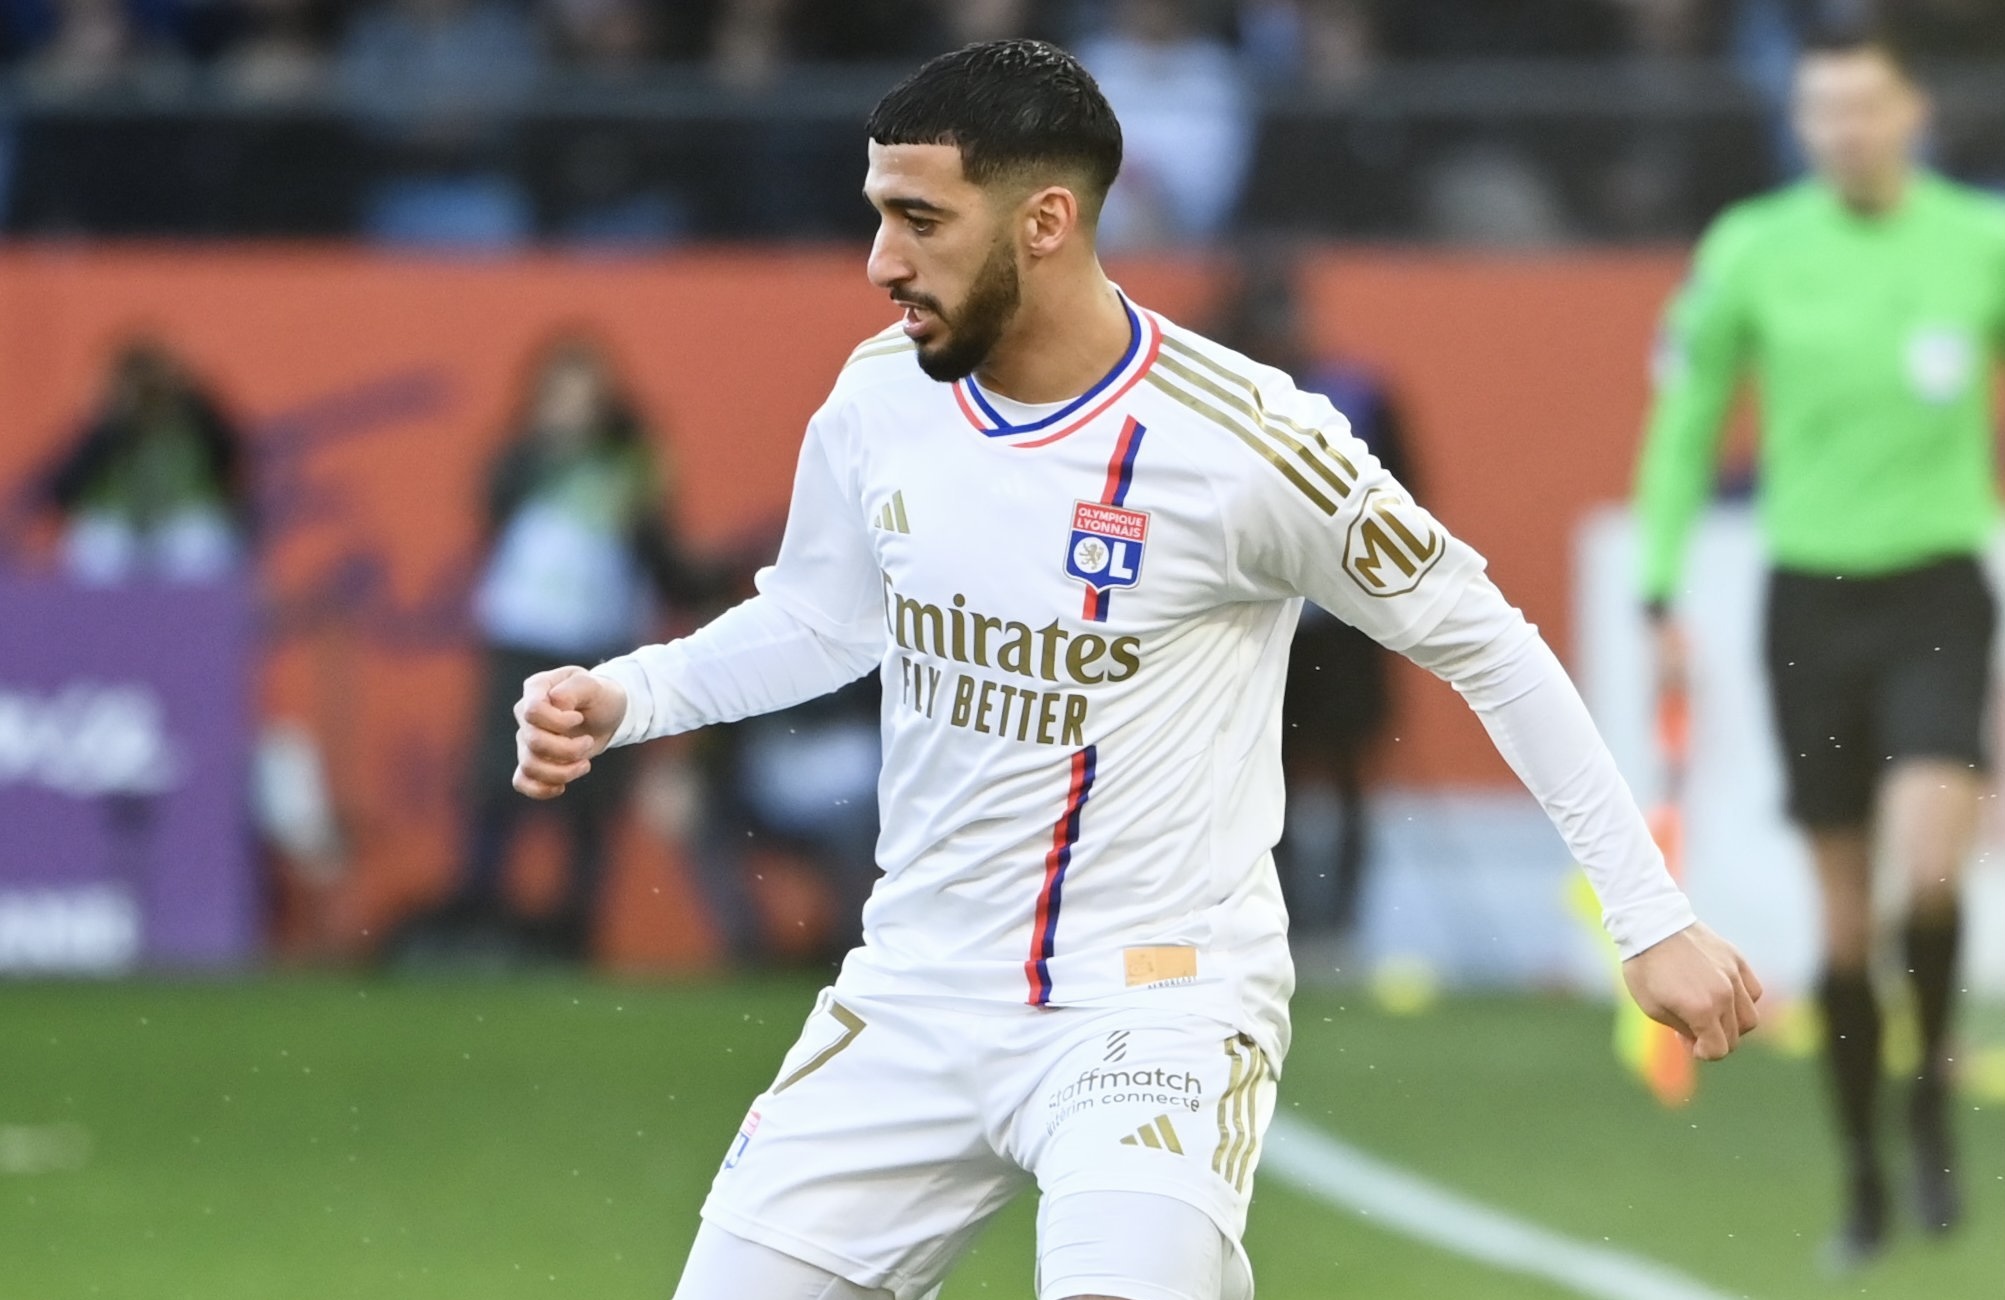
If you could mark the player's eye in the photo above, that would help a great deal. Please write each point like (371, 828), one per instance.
(920, 225)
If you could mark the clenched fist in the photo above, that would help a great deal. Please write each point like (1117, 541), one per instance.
(1696, 983)
(565, 718)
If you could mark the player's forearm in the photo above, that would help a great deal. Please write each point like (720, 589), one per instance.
(754, 658)
(1537, 720)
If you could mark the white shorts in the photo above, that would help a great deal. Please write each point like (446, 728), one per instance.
(897, 1125)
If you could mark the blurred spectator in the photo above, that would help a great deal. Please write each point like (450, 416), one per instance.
(83, 47)
(1494, 194)
(1649, 185)
(455, 54)
(605, 40)
(155, 487)
(278, 50)
(1329, 44)
(802, 782)
(1339, 698)
(750, 42)
(1186, 122)
(754, 39)
(1673, 29)
(968, 21)
(577, 545)
(796, 176)
(1958, 29)
(1491, 29)
(1946, 28)
(439, 74)
(604, 186)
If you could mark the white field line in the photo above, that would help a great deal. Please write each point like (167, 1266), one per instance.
(1310, 1160)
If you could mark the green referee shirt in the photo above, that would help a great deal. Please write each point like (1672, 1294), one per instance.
(1873, 342)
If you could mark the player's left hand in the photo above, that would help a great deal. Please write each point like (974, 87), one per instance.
(1699, 985)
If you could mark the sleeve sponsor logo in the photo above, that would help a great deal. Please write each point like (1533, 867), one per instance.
(1392, 544)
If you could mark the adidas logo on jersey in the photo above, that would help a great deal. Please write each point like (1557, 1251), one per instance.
(1158, 1135)
(892, 518)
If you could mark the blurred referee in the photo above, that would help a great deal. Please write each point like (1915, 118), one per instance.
(1869, 304)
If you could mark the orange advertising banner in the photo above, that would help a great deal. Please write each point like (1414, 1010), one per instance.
(377, 388)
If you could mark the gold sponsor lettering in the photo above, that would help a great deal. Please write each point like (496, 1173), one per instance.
(1047, 718)
(1127, 652)
(982, 625)
(1073, 732)
(1081, 655)
(1051, 636)
(1051, 653)
(1014, 657)
(913, 618)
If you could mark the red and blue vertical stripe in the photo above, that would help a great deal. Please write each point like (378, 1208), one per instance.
(1064, 836)
(1120, 476)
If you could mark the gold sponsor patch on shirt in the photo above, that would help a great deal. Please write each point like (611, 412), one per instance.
(1160, 965)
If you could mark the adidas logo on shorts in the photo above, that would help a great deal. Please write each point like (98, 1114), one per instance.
(1159, 1135)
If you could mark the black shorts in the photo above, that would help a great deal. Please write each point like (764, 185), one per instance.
(1864, 672)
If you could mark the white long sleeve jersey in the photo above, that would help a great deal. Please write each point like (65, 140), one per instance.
(1081, 614)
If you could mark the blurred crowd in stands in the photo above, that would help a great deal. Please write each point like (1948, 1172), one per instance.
(494, 122)
(274, 48)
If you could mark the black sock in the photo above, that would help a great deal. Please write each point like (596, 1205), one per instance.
(1933, 941)
(1852, 1048)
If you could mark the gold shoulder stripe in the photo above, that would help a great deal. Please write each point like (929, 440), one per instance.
(1257, 413)
(894, 333)
(868, 352)
(1273, 457)
(895, 330)
(1253, 390)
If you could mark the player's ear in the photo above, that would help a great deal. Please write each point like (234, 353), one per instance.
(1050, 216)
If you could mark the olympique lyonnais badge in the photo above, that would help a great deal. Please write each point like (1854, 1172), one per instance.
(1106, 547)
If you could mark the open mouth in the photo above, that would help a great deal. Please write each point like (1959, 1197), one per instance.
(919, 321)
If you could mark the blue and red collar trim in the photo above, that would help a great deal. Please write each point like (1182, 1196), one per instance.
(1145, 341)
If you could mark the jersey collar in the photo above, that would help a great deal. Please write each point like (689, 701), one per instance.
(1145, 340)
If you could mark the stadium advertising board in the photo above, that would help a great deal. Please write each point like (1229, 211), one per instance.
(124, 728)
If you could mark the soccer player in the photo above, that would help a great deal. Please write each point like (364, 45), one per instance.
(1869, 301)
(1073, 538)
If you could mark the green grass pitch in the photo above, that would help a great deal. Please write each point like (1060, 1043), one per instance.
(320, 1139)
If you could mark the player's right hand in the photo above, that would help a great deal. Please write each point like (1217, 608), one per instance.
(564, 719)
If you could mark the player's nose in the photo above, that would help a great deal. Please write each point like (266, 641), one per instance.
(886, 267)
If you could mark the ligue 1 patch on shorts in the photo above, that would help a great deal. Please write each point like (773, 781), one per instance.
(743, 1140)
(1105, 551)
(1152, 967)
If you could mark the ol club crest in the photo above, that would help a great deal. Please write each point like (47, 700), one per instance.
(1105, 550)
